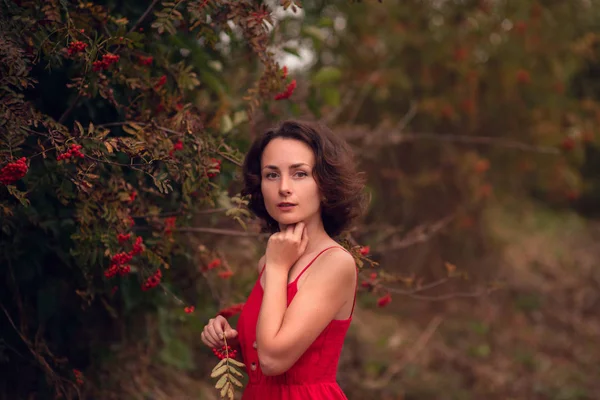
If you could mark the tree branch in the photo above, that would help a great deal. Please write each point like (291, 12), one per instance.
(218, 231)
(398, 137)
(412, 294)
(410, 356)
(70, 109)
(143, 16)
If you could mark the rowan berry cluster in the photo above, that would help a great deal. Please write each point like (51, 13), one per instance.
(145, 60)
(153, 280)
(76, 47)
(72, 152)
(189, 310)
(161, 81)
(214, 264)
(215, 166)
(177, 146)
(224, 352)
(287, 93)
(225, 274)
(138, 247)
(106, 61)
(119, 262)
(231, 311)
(384, 300)
(119, 265)
(78, 376)
(14, 171)
(170, 224)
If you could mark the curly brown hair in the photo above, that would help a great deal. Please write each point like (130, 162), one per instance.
(341, 186)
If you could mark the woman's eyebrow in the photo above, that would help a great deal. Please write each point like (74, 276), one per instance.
(297, 165)
(273, 167)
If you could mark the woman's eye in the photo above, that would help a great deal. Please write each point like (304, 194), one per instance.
(301, 174)
(271, 175)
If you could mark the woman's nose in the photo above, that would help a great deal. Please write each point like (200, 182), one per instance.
(284, 187)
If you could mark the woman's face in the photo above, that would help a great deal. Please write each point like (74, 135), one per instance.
(288, 186)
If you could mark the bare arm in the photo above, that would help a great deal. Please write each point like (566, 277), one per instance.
(284, 333)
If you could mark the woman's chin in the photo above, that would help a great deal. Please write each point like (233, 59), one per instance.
(288, 220)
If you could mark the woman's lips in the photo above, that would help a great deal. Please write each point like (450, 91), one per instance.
(286, 206)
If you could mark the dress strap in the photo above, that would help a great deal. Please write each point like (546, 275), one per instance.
(355, 291)
(313, 260)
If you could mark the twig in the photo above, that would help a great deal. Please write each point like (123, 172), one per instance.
(181, 212)
(218, 231)
(165, 129)
(70, 109)
(225, 156)
(144, 15)
(420, 234)
(412, 111)
(117, 163)
(393, 370)
(411, 293)
(397, 137)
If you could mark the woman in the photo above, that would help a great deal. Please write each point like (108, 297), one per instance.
(302, 183)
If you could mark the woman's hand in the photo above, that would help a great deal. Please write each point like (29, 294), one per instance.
(284, 248)
(212, 335)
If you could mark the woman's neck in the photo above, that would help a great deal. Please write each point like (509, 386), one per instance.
(316, 234)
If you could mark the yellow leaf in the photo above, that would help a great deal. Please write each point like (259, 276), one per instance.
(222, 362)
(121, 21)
(235, 381)
(221, 382)
(136, 126)
(219, 371)
(129, 130)
(108, 146)
(225, 389)
(235, 371)
(236, 362)
(91, 129)
(450, 267)
(230, 393)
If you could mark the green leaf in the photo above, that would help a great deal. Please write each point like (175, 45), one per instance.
(18, 195)
(327, 74)
(325, 22)
(331, 96)
(292, 51)
(177, 354)
(314, 33)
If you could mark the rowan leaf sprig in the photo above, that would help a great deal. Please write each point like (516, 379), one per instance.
(226, 370)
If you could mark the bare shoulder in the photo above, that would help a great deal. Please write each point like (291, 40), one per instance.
(337, 265)
(261, 263)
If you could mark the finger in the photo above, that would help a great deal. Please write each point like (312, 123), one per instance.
(212, 333)
(289, 230)
(304, 242)
(298, 229)
(207, 340)
(231, 333)
(204, 339)
(221, 325)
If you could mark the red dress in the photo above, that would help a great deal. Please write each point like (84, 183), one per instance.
(313, 376)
